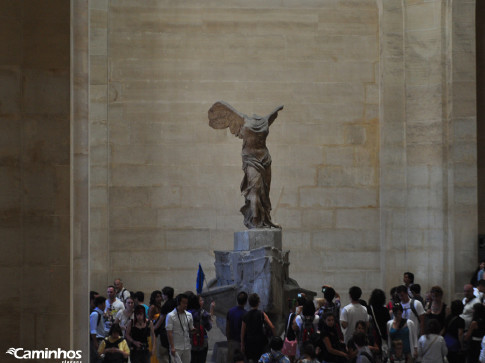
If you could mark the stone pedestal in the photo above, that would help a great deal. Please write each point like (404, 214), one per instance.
(255, 238)
(257, 264)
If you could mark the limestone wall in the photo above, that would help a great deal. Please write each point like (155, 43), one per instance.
(34, 175)
(373, 155)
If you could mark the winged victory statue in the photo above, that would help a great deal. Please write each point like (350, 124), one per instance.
(256, 160)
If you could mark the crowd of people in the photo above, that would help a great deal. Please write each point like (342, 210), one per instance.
(405, 328)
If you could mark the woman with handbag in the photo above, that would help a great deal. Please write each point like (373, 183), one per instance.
(253, 336)
(379, 317)
(290, 342)
(432, 346)
(138, 334)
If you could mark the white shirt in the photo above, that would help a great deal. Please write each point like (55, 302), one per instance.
(95, 328)
(467, 314)
(351, 314)
(123, 295)
(432, 348)
(409, 314)
(112, 310)
(180, 325)
(299, 322)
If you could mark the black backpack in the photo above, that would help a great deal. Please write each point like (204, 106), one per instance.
(307, 330)
(113, 357)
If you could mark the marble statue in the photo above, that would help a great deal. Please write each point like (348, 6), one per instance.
(256, 161)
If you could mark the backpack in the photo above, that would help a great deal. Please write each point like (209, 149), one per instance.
(113, 357)
(413, 308)
(368, 356)
(307, 329)
(99, 318)
(198, 336)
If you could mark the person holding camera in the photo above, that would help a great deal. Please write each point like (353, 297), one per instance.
(137, 334)
(179, 325)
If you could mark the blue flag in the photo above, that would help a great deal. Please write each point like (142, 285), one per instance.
(200, 280)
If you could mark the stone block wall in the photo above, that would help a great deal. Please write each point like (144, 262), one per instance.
(173, 181)
(373, 155)
(34, 175)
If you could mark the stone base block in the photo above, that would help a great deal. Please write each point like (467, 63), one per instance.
(256, 238)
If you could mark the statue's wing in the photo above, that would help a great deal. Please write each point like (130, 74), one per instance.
(222, 115)
(272, 116)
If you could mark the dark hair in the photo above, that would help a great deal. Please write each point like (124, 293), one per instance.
(410, 276)
(362, 323)
(92, 295)
(276, 343)
(193, 303)
(329, 293)
(153, 296)
(99, 300)
(115, 328)
(394, 296)
(355, 293)
(360, 339)
(416, 289)
(242, 298)
(432, 326)
(377, 298)
(478, 312)
(301, 300)
(327, 314)
(111, 286)
(397, 307)
(481, 282)
(168, 291)
(436, 290)
(401, 288)
(456, 307)
(254, 300)
(309, 350)
(180, 297)
(140, 296)
(308, 308)
(140, 309)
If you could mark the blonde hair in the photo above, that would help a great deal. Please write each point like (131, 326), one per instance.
(320, 302)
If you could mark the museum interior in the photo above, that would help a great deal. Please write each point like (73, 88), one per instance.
(109, 168)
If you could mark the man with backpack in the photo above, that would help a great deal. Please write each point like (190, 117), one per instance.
(96, 327)
(413, 309)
